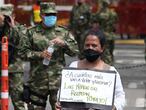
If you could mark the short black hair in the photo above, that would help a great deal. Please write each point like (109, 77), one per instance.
(99, 34)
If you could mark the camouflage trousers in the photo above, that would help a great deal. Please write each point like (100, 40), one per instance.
(108, 56)
(37, 106)
(16, 89)
(42, 84)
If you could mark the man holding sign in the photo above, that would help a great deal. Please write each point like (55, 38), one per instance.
(93, 84)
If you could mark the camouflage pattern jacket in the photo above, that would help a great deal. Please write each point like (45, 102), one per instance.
(14, 35)
(107, 20)
(80, 16)
(36, 41)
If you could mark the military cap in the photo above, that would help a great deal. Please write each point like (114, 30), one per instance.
(6, 9)
(48, 7)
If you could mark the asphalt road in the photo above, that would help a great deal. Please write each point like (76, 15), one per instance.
(129, 60)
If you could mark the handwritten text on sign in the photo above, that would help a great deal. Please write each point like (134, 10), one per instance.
(87, 86)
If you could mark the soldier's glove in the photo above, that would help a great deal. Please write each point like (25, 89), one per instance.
(26, 94)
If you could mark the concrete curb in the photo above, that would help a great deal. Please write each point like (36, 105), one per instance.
(131, 42)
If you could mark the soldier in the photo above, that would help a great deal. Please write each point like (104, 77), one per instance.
(106, 19)
(79, 22)
(44, 79)
(14, 32)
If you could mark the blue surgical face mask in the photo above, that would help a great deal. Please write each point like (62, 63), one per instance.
(50, 21)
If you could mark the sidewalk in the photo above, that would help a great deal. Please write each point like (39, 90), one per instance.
(130, 41)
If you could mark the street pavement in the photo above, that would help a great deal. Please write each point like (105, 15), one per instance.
(130, 63)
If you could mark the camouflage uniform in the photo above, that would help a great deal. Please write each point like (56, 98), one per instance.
(44, 79)
(106, 19)
(79, 22)
(15, 63)
(16, 69)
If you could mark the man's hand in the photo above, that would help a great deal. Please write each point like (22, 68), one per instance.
(57, 106)
(46, 54)
(58, 41)
(10, 20)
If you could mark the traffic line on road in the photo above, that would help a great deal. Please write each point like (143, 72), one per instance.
(127, 61)
(140, 102)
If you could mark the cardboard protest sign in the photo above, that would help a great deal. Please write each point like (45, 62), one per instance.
(87, 88)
